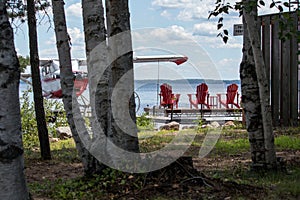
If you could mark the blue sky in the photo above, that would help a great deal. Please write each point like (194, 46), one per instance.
(158, 27)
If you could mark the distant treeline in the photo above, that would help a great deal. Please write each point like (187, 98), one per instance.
(190, 81)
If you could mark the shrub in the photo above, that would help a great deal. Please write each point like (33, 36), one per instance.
(143, 122)
(28, 119)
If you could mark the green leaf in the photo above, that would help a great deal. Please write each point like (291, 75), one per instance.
(241, 13)
(220, 20)
(213, 13)
(286, 4)
(226, 10)
(225, 39)
(261, 2)
(220, 26)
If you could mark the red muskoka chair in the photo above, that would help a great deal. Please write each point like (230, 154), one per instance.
(167, 98)
(201, 96)
(231, 96)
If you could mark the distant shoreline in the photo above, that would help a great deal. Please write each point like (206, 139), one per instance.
(191, 81)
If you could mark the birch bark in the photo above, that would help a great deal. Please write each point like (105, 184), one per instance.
(95, 40)
(96, 53)
(67, 83)
(122, 79)
(251, 103)
(12, 178)
(250, 16)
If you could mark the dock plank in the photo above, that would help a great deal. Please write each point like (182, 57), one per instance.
(193, 111)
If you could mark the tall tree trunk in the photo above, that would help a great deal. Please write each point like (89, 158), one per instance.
(12, 179)
(96, 53)
(95, 40)
(36, 83)
(67, 83)
(251, 104)
(124, 131)
(253, 27)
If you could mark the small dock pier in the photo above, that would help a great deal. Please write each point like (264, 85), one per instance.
(188, 115)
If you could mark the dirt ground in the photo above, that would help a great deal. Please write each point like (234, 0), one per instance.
(38, 171)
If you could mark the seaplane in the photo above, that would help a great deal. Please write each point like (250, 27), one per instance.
(50, 77)
(50, 73)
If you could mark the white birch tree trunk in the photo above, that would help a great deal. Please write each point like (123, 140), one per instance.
(250, 16)
(67, 83)
(251, 104)
(96, 53)
(12, 178)
(123, 119)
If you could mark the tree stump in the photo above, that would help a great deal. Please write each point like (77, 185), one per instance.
(178, 172)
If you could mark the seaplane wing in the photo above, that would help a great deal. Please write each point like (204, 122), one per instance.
(50, 72)
(178, 59)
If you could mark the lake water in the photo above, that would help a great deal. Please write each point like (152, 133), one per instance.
(147, 90)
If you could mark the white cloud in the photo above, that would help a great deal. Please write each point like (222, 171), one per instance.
(166, 14)
(228, 62)
(171, 3)
(77, 40)
(187, 9)
(205, 28)
(207, 31)
(229, 68)
(74, 10)
(78, 51)
(77, 36)
(195, 12)
(217, 43)
(209, 27)
(167, 35)
(178, 32)
(48, 53)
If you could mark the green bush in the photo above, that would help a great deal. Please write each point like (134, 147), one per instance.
(28, 119)
(143, 122)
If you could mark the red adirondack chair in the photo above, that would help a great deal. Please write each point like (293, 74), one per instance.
(202, 96)
(167, 98)
(232, 96)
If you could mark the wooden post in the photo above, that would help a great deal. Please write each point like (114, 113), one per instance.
(294, 74)
(285, 84)
(266, 44)
(275, 72)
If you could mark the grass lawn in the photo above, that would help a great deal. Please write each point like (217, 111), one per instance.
(226, 167)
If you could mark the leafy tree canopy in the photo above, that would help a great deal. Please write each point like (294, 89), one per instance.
(18, 8)
(224, 7)
(24, 61)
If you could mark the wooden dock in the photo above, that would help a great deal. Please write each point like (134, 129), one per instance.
(195, 111)
(188, 113)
